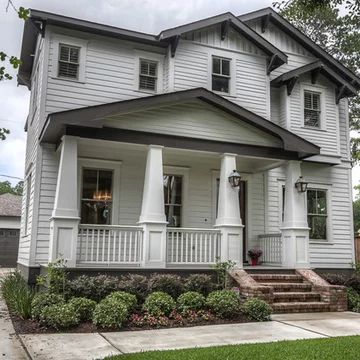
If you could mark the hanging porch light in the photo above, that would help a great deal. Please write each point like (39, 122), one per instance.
(234, 179)
(301, 185)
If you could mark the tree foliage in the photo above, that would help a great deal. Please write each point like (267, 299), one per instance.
(335, 31)
(7, 188)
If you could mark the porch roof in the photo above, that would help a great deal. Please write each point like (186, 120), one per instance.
(88, 122)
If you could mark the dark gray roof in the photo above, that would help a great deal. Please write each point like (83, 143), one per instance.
(92, 116)
(10, 205)
(305, 41)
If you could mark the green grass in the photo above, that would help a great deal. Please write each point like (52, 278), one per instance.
(318, 349)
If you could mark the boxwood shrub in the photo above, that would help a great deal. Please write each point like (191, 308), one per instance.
(135, 284)
(256, 309)
(224, 303)
(159, 303)
(190, 300)
(43, 300)
(60, 316)
(201, 283)
(110, 313)
(85, 307)
(167, 283)
(128, 299)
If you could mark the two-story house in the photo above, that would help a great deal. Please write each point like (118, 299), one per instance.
(170, 150)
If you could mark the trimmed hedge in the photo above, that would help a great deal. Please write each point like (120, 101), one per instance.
(128, 299)
(256, 309)
(159, 303)
(224, 303)
(60, 316)
(43, 300)
(110, 313)
(168, 283)
(85, 307)
(190, 300)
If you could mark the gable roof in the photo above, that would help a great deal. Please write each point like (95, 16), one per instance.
(10, 205)
(38, 21)
(271, 15)
(92, 116)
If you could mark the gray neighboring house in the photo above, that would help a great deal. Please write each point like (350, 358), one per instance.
(10, 215)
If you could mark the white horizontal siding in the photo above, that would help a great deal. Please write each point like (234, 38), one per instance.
(344, 129)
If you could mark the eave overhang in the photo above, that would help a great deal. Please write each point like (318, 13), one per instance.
(93, 117)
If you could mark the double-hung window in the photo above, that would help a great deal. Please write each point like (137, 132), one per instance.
(173, 199)
(69, 60)
(96, 198)
(220, 74)
(317, 213)
(312, 109)
(148, 72)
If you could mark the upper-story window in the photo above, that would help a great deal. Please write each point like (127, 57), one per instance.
(69, 61)
(312, 109)
(148, 71)
(220, 74)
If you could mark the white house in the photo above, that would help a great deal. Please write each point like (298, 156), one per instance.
(132, 139)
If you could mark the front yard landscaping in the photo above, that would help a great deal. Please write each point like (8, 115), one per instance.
(346, 348)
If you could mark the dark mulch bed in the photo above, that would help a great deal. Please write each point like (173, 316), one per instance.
(22, 326)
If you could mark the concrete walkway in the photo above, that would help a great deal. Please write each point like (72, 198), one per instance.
(99, 345)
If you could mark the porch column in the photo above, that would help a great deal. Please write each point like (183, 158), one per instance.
(65, 216)
(152, 216)
(295, 229)
(228, 218)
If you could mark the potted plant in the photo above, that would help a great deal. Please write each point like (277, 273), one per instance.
(254, 255)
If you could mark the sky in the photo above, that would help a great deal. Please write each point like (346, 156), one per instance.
(149, 16)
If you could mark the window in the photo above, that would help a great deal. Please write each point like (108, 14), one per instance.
(69, 57)
(317, 214)
(173, 199)
(147, 75)
(220, 74)
(27, 203)
(312, 109)
(96, 198)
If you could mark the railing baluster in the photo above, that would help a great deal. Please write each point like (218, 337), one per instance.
(130, 246)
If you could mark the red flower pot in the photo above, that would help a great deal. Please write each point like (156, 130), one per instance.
(254, 262)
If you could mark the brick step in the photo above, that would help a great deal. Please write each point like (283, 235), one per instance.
(292, 278)
(288, 287)
(298, 307)
(283, 297)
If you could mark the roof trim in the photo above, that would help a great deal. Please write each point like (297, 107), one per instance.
(305, 41)
(92, 116)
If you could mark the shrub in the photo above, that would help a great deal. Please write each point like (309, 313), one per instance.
(60, 316)
(335, 279)
(128, 299)
(167, 283)
(256, 309)
(43, 300)
(190, 300)
(224, 303)
(110, 313)
(159, 303)
(135, 284)
(17, 294)
(354, 282)
(353, 300)
(85, 307)
(222, 269)
(200, 282)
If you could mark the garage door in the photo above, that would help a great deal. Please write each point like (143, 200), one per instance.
(9, 246)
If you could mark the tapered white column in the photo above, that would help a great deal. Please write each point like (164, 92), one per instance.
(65, 216)
(228, 218)
(295, 229)
(152, 216)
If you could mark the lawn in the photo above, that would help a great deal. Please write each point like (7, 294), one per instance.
(318, 349)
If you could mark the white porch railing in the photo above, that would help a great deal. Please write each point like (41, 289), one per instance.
(191, 246)
(271, 245)
(109, 245)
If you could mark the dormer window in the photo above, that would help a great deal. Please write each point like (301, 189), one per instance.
(69, 57)
(312, 109)
(220, 74)
(148, 75)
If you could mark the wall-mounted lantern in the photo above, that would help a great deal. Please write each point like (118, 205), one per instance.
(301, 185)
(234, 179)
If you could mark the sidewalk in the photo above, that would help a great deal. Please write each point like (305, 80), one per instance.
(99, 345)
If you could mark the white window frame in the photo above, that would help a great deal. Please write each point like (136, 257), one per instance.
(58, 40)
(100, 164)
(154, 57)
(321, 91)
(232, 82)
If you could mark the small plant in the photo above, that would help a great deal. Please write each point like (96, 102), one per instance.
(254, 253)
(353, 300)
(168, 283)
(85, 307)
(222, 268)
(201, 283)
(128, 299)
(256, 309)
(356, 267)
(56, 278)
(135, 284)
(17, 294)
(159, 303)
(60, 316)
(148, 320)
(42, 300)
(110, 314)
(190, 300)
(224, 303)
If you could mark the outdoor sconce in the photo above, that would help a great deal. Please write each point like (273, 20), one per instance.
(301, 185)
(234, 179)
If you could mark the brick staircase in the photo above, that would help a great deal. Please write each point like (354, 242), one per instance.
(291, 293)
